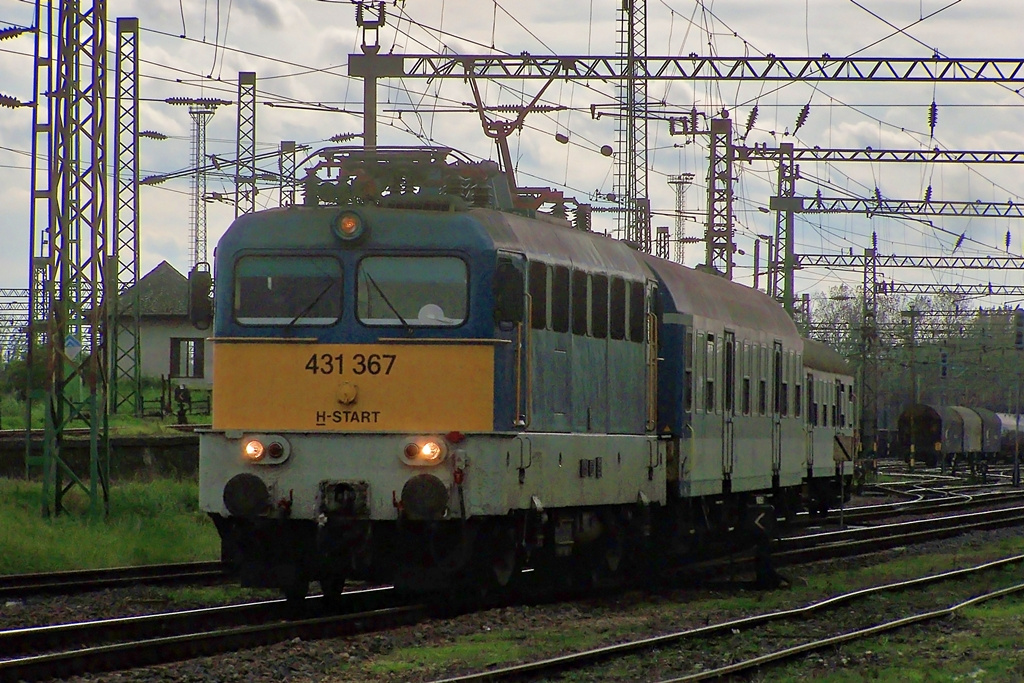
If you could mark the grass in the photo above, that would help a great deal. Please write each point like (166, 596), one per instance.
(149, 523)
(12, 416)
(481, 650)
(983, 643)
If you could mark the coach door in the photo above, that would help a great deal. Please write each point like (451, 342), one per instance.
(811, 418)
(728, 403)
(777, 398)
(513, 326)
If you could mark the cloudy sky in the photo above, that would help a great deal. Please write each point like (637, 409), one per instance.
(299, 50)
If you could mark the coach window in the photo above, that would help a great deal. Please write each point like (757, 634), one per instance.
(579, 302)
(762, 388)
(636, 311)
(287, 290)
(538, 296)
(688, 351)
(812, 407)
(413, 291)
(599, 306)
(745, 398)
(840, 401)
(730, 373)
(748, 369)
(798, 404)
(617, 312)
(835, 408)
(710, 372)
(700, 361)
(560, 299)
(777, 380)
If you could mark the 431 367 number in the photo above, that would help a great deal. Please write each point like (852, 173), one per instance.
(359, 364)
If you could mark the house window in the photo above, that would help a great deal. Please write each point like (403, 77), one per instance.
(187, 357)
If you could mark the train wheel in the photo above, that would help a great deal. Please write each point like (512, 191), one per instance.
(609, 556)
(498, 565)
(503, 558)
(332, 587)
(295, 590)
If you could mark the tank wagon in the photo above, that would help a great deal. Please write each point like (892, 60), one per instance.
(936, 434)
(420, 382)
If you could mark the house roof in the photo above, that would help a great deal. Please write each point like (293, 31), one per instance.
(162, 292)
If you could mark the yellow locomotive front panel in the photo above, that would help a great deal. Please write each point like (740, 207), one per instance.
(289, 385)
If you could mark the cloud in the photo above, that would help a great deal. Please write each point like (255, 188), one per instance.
(292, 45)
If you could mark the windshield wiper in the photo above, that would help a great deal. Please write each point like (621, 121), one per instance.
(384, 296)
(309, 307)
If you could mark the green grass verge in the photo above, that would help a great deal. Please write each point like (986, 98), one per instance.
(149, 523)
(987, 637)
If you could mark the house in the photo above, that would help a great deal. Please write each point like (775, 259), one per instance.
(169, 346)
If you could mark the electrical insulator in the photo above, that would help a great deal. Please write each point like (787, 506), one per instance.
(1007, 240)
(693, 120)
(933, 117)
(928, 194)
(751, 119)
(9, 102)
(878, 195)
(801, 118)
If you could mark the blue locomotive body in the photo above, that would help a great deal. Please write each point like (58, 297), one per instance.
(416, 384)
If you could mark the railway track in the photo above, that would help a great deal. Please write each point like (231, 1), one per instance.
(736, 626)
(925, 505)
(114, 644)
(77, 581)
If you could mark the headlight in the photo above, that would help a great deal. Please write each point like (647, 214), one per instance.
(425, 451)
(349, 226)
(265, 449)
(254, 450)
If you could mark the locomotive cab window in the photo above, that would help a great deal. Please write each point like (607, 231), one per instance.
(286, 290)
(508, 293)
(424, 291)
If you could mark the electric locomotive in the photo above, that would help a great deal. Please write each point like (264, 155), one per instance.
(419, 381)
